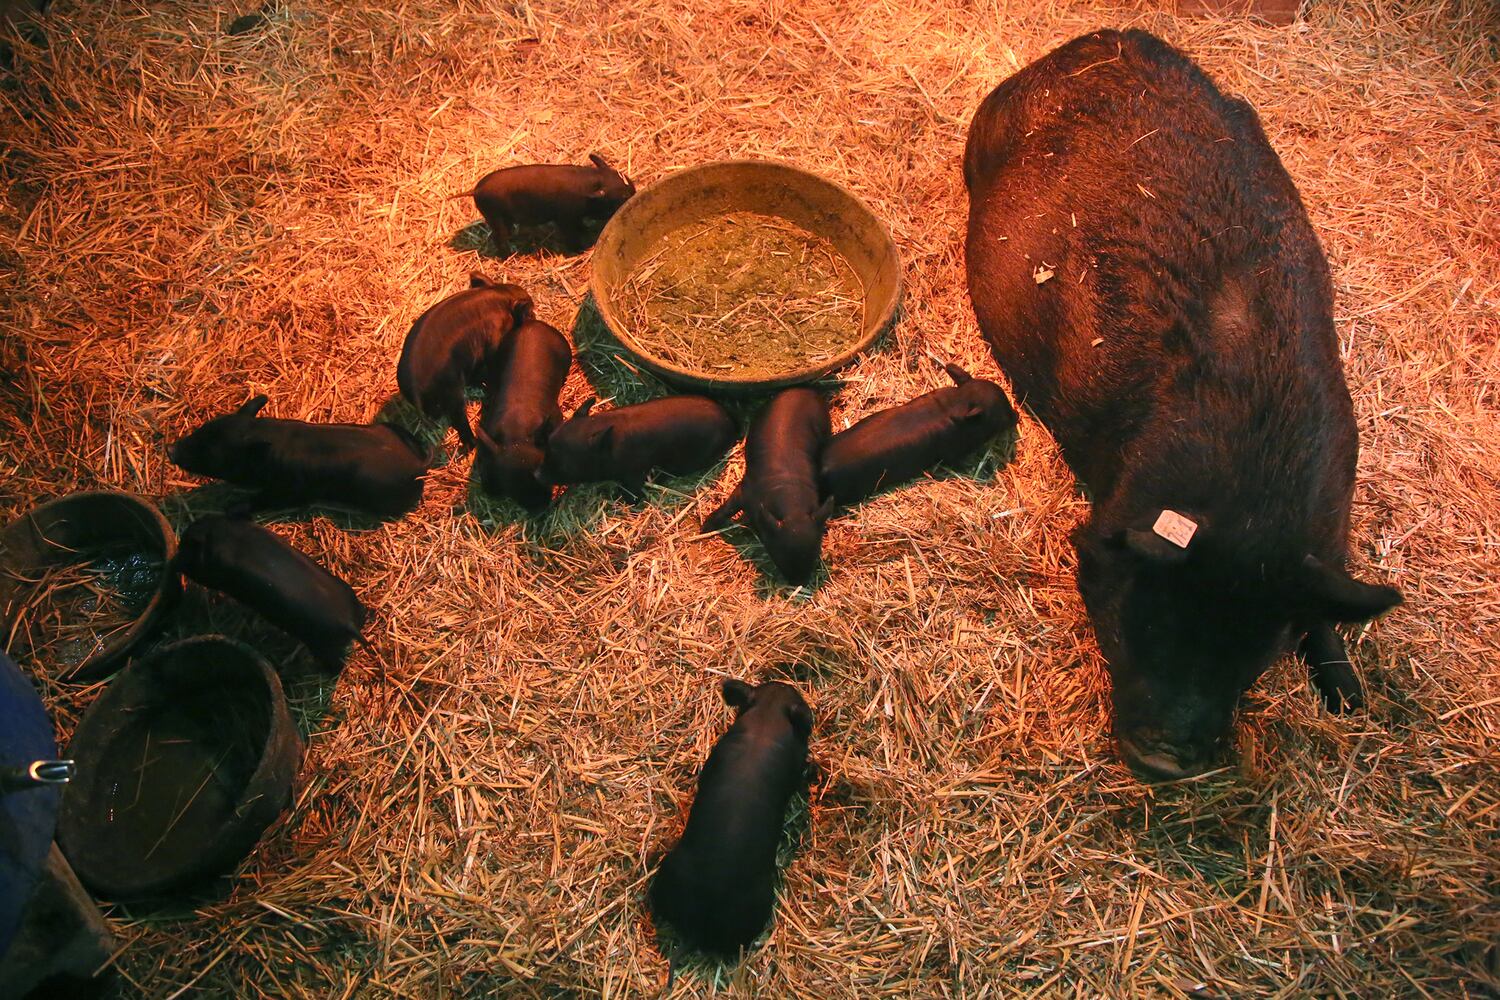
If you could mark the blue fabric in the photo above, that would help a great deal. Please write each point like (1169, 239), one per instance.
(27, 817)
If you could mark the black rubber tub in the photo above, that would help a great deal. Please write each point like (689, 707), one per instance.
(83, 578)
(182, 763)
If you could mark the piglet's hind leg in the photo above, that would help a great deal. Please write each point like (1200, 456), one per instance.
(499, 232)
(458, 416)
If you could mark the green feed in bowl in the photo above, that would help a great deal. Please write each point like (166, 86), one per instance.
(744, 294)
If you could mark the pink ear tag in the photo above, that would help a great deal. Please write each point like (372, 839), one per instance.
(1175, 528)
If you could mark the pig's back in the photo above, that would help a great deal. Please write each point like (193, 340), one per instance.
(533, 192)
(742, 797)
(686, 427)
(788, 435)
(1179, 252)
(534, 362)
(448, 333)
(271, 573)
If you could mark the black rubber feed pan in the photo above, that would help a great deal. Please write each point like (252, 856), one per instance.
(182, 763)
(82, 579)
(638, 233)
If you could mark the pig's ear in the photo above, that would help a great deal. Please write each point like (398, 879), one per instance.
(1151, 546)
(1334, 595)
(605, 439)
(957, 374)
(485, 442)
(801, 719)
(600, 162)
(1165, 538)
(252, 407)
(477, 280)
(255, 453)
(825, 510)
(584, 408)
(972, 411)
(523, 310)
(737, 693)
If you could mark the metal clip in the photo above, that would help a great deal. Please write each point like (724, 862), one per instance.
(37, 774)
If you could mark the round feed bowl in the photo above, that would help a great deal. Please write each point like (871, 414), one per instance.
(700, 193)
(51, 534)
(181, 764)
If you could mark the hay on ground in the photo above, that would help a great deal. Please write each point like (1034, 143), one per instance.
(189, 217)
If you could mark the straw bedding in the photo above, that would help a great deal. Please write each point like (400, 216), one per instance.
(191, 217)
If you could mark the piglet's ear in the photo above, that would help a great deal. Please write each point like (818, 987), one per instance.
(605, 439)
(252, 407)
(584, 408)
(825, 511)
(957, 374)
(477, 280)
(485, 442)
(255, 454)
(600, 161)
(801, 718)
(973, 411)
(737, 693)
(1334, 595)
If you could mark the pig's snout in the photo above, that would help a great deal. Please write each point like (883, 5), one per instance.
(1171, 721)
(1157, 760)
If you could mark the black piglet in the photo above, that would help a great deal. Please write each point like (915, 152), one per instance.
(262, 571)
(779, 497)
(562, 193)
(520, 413)
(676, 435)
(377, 468)
(717, 887)
(901, 443)
(454, 344)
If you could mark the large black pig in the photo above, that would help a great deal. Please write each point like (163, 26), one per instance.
(455, 344)
(1147, 277)
(264, 572)
(562, 193)
(902, 442)
(371, 467)
(520, 413)
(675, 434)
(717, 887)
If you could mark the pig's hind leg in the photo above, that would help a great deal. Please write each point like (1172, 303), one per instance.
(1332, 673)
(575, 235)
(499, 231)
